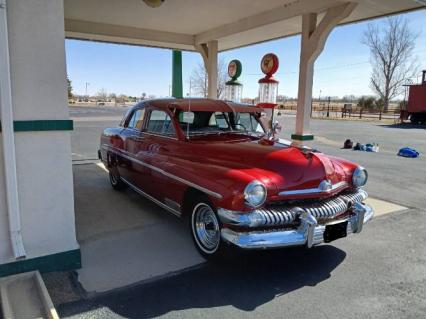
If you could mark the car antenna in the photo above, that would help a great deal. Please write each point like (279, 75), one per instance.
(233, 112)
(187, 123)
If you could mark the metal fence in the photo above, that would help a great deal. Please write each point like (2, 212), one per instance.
(344, 110)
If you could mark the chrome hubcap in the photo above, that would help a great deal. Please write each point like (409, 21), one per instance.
(113, 178)
(206, 228)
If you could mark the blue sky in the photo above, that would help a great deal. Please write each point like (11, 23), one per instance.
(343, 67)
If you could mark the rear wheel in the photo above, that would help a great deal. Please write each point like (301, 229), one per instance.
(205, 230)
(115, 179)
(415, 119)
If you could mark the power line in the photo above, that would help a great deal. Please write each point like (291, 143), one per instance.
(341, 66)
(319, 69)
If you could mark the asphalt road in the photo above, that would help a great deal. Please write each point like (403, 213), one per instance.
(88, 125)
(380, 273)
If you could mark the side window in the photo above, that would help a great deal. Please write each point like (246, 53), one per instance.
(249, 122)
(221, 120)
(136, 121)
(160, 123)
(123, 120)
(218, 120)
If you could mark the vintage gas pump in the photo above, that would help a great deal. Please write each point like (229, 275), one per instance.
(268, 86)
(233, 88)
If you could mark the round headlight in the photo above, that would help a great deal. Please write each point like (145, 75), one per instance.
(255, 194)
(359, 177)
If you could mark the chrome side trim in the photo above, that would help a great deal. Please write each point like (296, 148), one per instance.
(159, 170)
(160, 135)
(171, 203)
(156, 201)
(316, 190)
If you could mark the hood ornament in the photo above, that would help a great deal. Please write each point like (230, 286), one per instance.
(325, 186)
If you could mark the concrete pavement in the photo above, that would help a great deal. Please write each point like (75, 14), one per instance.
(124, 238)
(380, 273)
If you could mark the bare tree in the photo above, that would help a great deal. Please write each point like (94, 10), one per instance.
(102, 95)
(391, 51)
(69, 88)
(198, 80)
(112, 97)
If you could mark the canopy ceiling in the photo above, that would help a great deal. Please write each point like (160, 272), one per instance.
(182, 23)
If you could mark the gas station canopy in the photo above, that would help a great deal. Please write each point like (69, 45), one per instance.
(183, 24)
(38, 223)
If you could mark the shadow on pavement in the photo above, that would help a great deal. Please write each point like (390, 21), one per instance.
(405, 126)
(246, 282)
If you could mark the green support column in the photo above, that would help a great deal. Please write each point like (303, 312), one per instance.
(177, 90)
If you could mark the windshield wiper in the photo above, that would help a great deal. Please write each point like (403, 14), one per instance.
(206, 133)
(251, 133)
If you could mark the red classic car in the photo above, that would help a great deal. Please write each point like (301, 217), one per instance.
(215, 163)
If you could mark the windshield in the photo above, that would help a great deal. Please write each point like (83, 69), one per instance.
(200, 123)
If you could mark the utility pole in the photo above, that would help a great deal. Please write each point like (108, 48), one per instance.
(87, 83)
(328, 107)
(205, 85)
(177, 91)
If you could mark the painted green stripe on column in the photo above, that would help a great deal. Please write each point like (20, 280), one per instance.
(177, 90)
(302, 137)
(68, 260)
(42, 125)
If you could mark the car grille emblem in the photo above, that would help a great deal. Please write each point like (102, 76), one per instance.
(325, 186)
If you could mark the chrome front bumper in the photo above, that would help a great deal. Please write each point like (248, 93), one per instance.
(308, 233)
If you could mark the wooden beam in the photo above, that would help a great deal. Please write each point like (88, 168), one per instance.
(284, 12)
(86, 30)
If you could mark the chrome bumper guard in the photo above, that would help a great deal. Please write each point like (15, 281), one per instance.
(276, 215)
(308, 233)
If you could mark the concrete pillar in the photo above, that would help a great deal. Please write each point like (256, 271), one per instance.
(212, 69)
(306, 75)
(177, 90)
(209, 52)
(313, 41)
(42, 139)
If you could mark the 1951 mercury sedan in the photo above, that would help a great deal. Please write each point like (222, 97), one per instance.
(215, 163)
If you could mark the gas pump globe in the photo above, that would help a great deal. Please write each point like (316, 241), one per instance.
(268, 86)
(233, 88)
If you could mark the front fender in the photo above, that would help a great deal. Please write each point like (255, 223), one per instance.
(224, 186)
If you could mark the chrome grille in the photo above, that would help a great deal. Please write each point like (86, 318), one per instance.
(274, 215)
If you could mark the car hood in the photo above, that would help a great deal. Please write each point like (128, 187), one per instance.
(281, 167)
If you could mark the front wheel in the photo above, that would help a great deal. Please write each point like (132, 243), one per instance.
(115, 180)
(205, 229)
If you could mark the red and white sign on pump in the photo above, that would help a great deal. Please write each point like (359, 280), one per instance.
(268, 86)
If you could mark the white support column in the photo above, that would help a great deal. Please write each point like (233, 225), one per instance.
(209, 53)
(35, 144)
(313, 41)
(8, 139)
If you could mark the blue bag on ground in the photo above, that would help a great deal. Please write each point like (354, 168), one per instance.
(408, 152)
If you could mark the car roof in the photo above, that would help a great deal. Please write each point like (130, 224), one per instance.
(201, 104)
